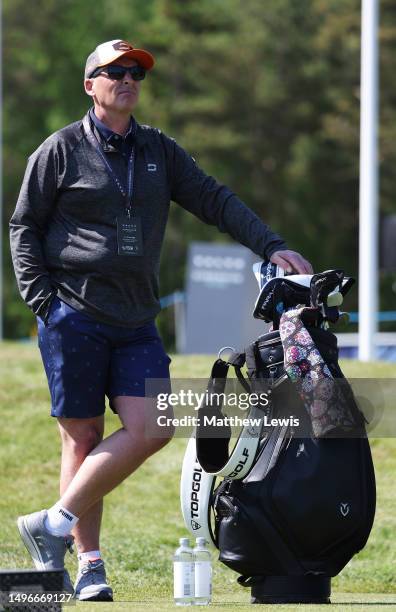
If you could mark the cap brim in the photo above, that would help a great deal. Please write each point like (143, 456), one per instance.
(144, 58)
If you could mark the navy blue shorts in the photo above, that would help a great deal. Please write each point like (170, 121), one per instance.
(85, 360)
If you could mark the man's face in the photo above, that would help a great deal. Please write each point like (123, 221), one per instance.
(116, 96)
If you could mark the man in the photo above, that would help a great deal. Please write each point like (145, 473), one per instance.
(86, 237)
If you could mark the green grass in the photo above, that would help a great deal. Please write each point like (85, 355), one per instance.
(142, 520)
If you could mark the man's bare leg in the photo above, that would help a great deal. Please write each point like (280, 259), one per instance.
(79, 437)
(115, 458)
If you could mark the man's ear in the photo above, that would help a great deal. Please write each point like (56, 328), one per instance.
(89, 87)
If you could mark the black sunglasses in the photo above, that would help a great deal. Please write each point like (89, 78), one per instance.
(116, 72)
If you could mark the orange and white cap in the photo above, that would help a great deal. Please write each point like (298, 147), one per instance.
(108, 52)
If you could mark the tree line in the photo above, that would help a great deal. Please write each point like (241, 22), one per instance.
(264, 95)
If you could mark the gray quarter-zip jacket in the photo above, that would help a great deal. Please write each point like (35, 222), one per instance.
(63, 231)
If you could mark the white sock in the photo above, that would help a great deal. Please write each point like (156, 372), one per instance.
(60, 521)
(91, 555)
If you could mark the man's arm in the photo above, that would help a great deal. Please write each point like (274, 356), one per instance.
(27, 228)
(216, 205)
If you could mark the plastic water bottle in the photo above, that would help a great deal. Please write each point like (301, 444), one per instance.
(183, 574)
(202, 573)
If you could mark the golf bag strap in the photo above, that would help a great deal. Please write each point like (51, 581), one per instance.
(237, 360)
(196, 489)
(208, 455)
(252, 359)
(242, 379)
(218, 376)
(212, 438)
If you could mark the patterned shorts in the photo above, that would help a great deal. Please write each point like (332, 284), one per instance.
(86, 360)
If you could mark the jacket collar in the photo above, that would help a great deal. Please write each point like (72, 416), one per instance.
(106, 132)
(140, 136)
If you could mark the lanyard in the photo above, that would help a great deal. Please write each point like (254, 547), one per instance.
(127, 192)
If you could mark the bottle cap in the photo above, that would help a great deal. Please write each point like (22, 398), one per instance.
(184, 542)
(201, 541)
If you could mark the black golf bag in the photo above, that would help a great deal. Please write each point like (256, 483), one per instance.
(307, 503)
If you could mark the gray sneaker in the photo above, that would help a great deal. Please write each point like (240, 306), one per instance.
(47, 551)
(91, 584)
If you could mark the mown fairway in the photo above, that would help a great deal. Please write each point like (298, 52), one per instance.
(142, 520)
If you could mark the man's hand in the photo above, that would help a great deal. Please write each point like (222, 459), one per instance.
(291, 261)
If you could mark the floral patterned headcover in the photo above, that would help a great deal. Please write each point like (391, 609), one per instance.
(321, 393)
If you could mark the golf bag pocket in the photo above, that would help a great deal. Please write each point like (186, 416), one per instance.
(241, 546)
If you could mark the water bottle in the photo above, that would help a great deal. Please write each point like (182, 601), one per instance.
(183, 574)
(202, 573)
